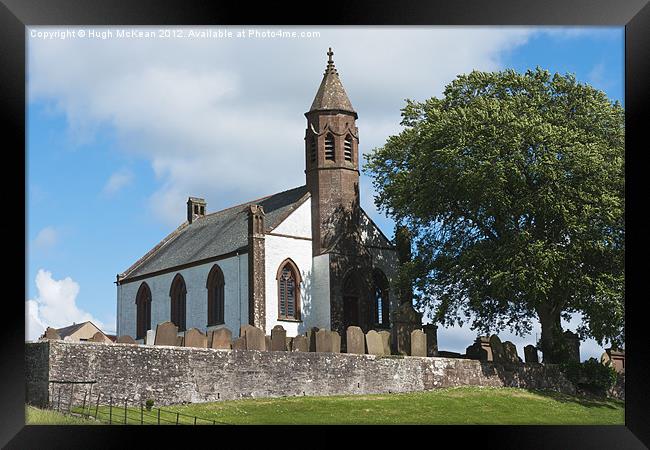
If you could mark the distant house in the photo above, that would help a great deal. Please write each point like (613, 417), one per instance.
(80, 332)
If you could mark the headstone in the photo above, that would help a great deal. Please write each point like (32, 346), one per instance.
(289, 343)
(431, 331)
(323, 341)
(243, 328)
(617, 357)
(510, 352)
(311, 338)
(405, 320)
(355, 341)
(126, 339)
(180, 341)
(255, 338)
(278, 339)
(195, 338)
(418, 343)
(336, 342)
(480, 349)
(51, 333)
(99, 337)
(166, 334)
(239, 343)
(221, 338)
(530, 354)
(374, 343)
(267, 342)
(573, 344)
(300, 344)
(150, 338)
(385, 340)
(497, 348)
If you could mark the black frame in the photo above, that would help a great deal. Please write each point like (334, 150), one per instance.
(633, 14)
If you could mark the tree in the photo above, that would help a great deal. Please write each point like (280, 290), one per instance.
(512, 186)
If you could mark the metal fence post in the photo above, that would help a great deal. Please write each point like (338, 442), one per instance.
(141, 413)
(194, 420)
(97, 406)
(58, 404)
(83, 408)
(110, 410)
(71, 398)
(177, 418)
(125, 406)
(158, 416)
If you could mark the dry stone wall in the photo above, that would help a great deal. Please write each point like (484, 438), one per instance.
(171, 375)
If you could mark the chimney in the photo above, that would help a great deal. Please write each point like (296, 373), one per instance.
(195, 208)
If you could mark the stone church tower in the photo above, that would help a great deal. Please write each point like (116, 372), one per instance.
(332, 175)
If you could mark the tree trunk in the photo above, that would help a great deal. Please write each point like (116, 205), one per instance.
(552, 340)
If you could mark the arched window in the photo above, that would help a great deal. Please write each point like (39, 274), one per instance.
(347, 148)
(329, 147)
(177, 294)
(143, 311)
(288, 291)
(381, 298)
(312, 148)
(215, 287)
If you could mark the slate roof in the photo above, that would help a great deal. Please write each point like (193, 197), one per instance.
(215, 234)
(331, 95)
(70, 329)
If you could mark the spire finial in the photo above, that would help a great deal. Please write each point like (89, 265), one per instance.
(330, 63)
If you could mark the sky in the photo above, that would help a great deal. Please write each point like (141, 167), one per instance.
(122, 128)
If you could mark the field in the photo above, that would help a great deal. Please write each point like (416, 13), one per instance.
(466, 405)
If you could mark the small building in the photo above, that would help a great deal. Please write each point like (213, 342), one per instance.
(80, 332)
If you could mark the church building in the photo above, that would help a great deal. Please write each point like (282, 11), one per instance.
(306, 257)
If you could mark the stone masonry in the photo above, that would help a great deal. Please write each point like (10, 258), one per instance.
(172, 375)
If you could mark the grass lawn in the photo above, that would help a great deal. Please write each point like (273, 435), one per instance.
(466, 405)
(36, 416)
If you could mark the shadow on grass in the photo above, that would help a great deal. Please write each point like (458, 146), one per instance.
(586, 400)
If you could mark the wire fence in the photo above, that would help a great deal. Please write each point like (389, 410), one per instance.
(76, 398)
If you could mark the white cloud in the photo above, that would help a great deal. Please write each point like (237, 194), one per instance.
(117, 181)
(55, 306)
(46, 239)
(223, 119)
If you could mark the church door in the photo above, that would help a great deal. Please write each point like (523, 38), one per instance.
(350, 302)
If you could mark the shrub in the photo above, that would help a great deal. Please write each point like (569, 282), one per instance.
(149, 404)
(590, 376)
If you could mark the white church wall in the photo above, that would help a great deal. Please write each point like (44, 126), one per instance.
(320, 292)
(279, 248)
(235, 271)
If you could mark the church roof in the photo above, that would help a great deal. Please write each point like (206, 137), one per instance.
(215, 234)
(331, 95)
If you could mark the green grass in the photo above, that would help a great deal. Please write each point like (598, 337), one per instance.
(36, 416)
(466, 405)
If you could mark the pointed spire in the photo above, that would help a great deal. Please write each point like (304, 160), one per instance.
(331, 95)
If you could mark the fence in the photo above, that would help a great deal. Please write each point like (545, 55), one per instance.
(114, 410)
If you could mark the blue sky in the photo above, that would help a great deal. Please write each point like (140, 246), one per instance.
(122, 131)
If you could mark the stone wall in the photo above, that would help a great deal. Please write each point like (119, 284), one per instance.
(172, 375)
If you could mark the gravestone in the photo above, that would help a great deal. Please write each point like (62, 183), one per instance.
(375, 344)
(150, 338)
(99, 337)
(385, 340)
(289, 343)
(239, 343)
(180, 341)
(278, 339)
(323, 341)
(311, 338)
(510, 352)
(498, 354)
(255, 338)
(418, 343)
(243, 328)
(405, 320)
(51, 333)
(355, 340)
(300, 344)
(431, 331)
(195, 338)
(573, 345)
(126, 339)
(480, 349)
(530, 354)
(221, 339)
(267, 342)
(336, 342)
(166, 334)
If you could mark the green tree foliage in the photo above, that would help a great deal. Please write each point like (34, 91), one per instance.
(512, 186)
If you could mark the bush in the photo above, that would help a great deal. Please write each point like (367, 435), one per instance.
(149, 404)
(590, 376)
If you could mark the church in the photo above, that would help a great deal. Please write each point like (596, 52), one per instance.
(306, 257)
